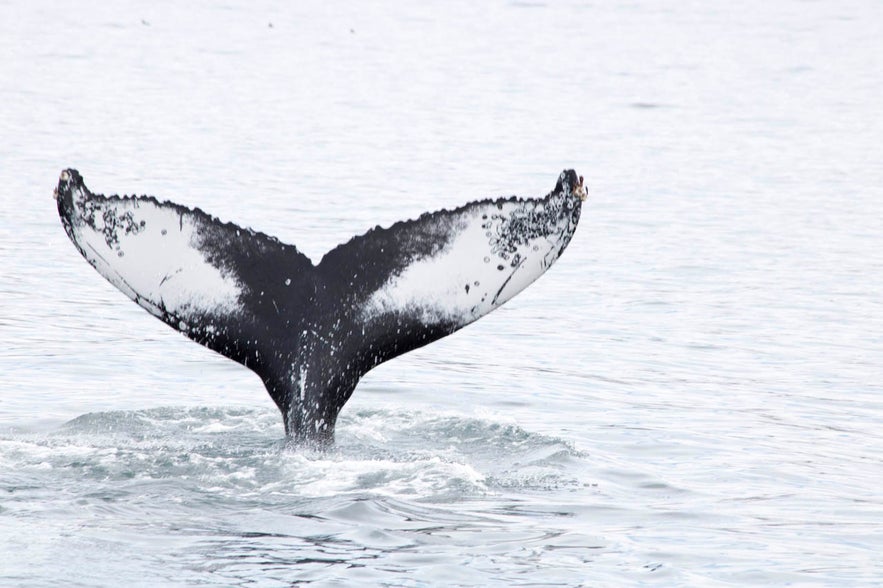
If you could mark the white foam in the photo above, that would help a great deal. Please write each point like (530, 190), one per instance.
(418, 476)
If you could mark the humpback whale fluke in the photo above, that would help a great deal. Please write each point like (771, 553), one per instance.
(311, 331)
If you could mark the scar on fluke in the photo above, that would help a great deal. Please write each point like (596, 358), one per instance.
(309, 330)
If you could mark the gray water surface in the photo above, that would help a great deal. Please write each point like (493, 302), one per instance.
(691, 396)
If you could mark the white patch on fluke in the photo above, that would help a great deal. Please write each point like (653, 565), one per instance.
(157, 264)
(463, 281)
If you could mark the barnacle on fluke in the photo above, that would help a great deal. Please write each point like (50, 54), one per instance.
(112, 221)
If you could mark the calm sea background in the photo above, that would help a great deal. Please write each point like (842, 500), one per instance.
(692, 395)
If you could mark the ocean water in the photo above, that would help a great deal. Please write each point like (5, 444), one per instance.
(691, 396)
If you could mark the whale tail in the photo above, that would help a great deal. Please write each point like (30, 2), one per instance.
(311, 331)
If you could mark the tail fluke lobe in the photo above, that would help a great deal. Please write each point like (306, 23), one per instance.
(215, 282)
(432, 276)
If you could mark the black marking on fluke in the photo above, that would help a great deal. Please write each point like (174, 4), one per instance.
(312, 331)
